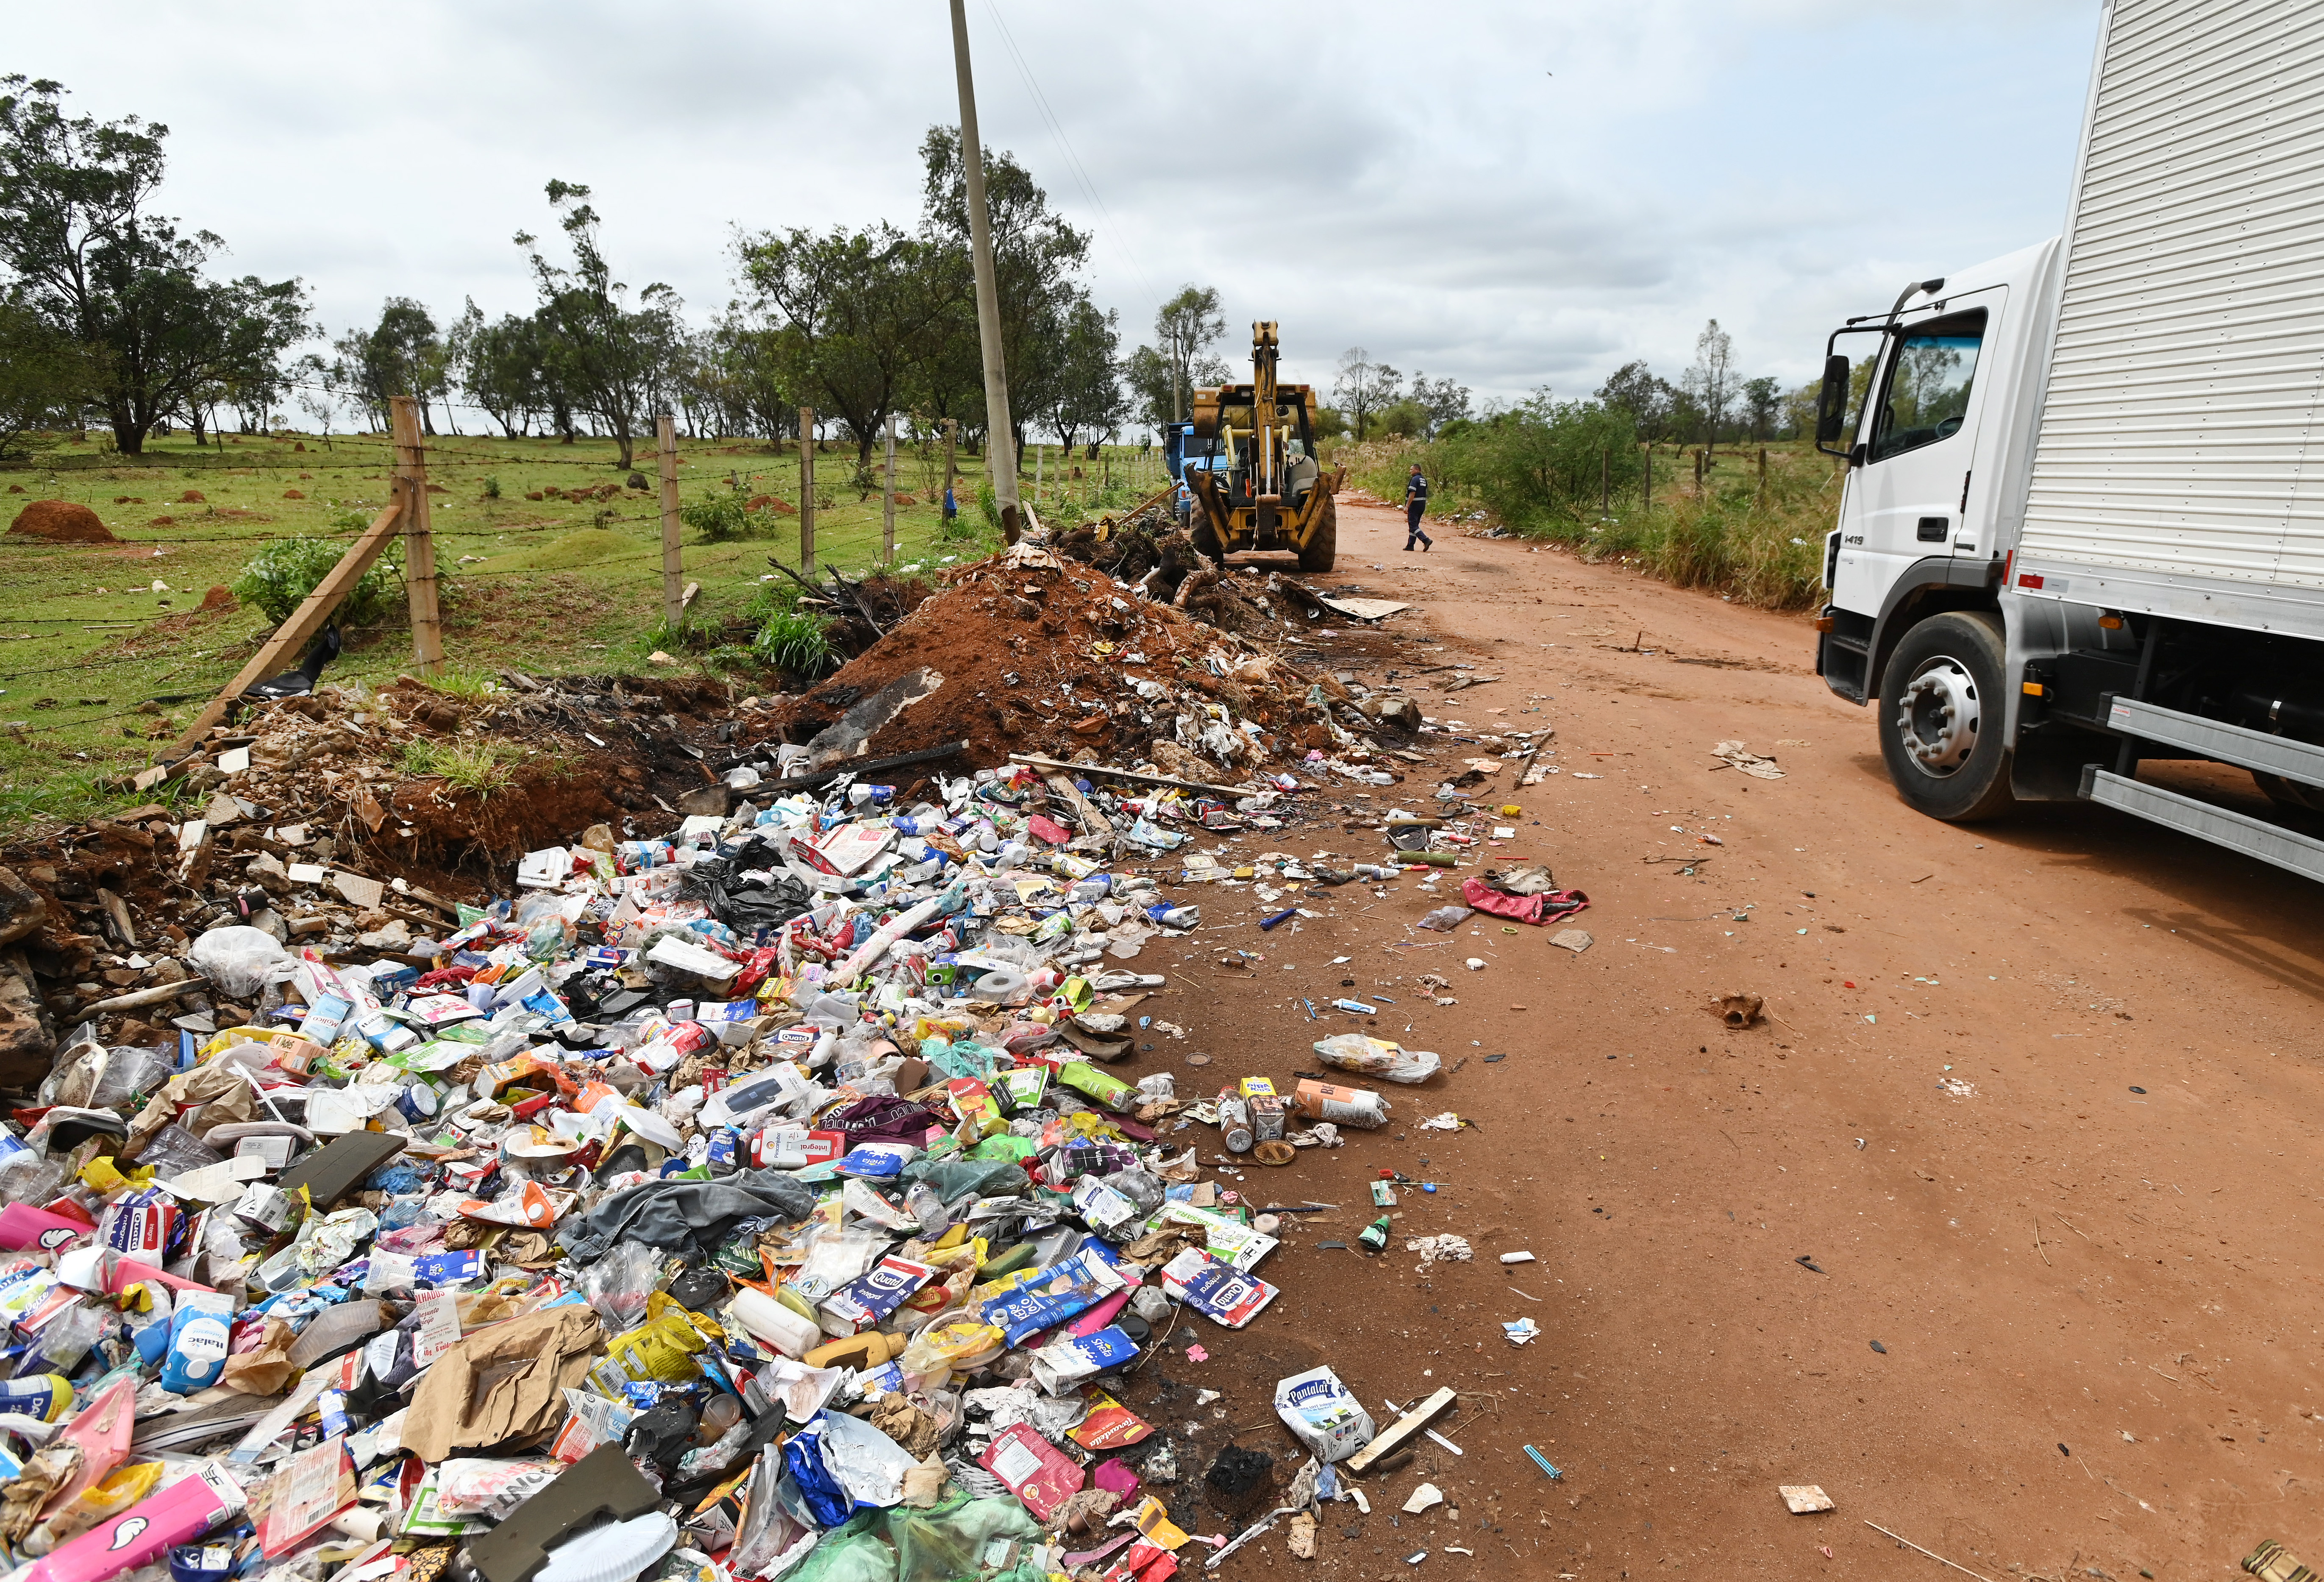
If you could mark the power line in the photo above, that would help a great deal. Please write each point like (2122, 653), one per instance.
(1065, 146)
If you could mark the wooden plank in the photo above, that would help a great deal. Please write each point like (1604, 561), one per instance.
(1093, 821)
(1135, 778)
(1402, 1431)
(307, 619)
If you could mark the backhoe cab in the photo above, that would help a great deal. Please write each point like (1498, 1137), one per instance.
(1263, 488)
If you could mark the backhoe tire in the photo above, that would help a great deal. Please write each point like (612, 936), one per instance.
(1323, 545)
(1942, 702)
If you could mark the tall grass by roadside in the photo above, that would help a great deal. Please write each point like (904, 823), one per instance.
(1539, 473)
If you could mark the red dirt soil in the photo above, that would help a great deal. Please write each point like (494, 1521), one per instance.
(62, 521)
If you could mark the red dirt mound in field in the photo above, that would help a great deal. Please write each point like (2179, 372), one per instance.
(193, 498)
(62, 521)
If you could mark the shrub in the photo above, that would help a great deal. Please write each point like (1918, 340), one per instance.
(719, 518)
(492, 486)
(280, 576)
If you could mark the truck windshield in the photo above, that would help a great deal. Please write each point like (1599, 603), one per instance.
(1929, 381)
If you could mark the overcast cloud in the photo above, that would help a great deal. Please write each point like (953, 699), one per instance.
(1514, 195)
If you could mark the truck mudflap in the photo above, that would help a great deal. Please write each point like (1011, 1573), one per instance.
(2284, 849)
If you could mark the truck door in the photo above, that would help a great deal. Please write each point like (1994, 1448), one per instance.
(1910, 491)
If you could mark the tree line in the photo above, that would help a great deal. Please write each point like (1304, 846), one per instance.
(110, 308)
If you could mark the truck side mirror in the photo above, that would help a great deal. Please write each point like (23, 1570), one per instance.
(1831, 401)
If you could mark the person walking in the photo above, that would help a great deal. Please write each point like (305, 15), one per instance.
(1415, 506)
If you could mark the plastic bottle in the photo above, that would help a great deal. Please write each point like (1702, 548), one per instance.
(44, 1396)
(1375, 1235)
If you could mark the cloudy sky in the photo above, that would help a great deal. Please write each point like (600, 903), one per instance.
(1517, 195)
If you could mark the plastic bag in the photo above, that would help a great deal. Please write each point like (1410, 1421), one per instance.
(618, 1284)
(949, 1539)
(854, 1553)
(1445, 918)
(1376, 1056)
(239, 961)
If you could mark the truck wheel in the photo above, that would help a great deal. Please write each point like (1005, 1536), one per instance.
(1323, 545)
(1942, 707)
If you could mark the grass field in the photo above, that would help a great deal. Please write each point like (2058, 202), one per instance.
(105, 650)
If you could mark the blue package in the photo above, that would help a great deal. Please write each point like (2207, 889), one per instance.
(883, 1380)
(874, 1163)
(1059, 1293)
(448, 1268)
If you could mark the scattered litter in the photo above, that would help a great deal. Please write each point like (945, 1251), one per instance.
(1737, 755)
(1426, 1497)
(1521, 1331)
(1803, 1498)
(1439, 1249)
(1542, 1461)
(1738, 1010)
(1517, 1257)
(1574, 939)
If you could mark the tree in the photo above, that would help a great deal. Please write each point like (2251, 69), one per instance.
(602, 354)
(1711, 380)
(86, 255)
(1440, 404)
(1037, 259)
(855, 309)
(1088, 391)
(396, 357)
(1184, 328)
(44, 376)
(1649, 400)
(1762, 398)
(497, 366)
(1364, 388)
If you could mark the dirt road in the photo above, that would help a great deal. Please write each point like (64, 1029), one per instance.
(2002, 1228)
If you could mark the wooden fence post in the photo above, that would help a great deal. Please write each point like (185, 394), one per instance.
(951, 433)
(1646, 484)
(1605, 480)
(1762, 475)
(419, 542)
(888, 500)
(806, 487)
(673, 553)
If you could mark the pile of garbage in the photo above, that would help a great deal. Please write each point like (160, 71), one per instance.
(1030, 651)
(751, 1202)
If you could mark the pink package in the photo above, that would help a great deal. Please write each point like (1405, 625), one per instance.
(22, 1227)
(129, 1271)
(142, 1534)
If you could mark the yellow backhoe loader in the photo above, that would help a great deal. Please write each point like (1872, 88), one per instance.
(1262, 488)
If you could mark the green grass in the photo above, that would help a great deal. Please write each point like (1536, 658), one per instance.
(548, 586)
(482, 767)
(1757, 545)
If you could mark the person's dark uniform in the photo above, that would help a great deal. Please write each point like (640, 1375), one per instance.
(1415, 506)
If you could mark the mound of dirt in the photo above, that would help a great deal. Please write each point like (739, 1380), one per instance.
(1038, 654)
(193, 498)
(62, 521)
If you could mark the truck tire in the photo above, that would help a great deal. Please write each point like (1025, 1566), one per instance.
(1323, 545)
(1942, 707)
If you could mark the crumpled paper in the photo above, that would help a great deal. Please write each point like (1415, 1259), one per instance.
(506, 1382)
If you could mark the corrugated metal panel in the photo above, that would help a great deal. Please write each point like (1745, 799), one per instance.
(2181, 429)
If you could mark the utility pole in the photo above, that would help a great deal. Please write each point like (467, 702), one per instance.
(419, 542)
(673, 563)
(1001, 451)
(888, 501)
(806, 487)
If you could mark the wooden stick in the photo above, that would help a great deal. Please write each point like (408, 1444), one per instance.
(305, 621)
(1133, 776)
(152, 997)
(1402, 1432)
(1940, 1560)
(2037, 1239)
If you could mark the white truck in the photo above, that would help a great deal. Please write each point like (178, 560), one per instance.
(2083, 522)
